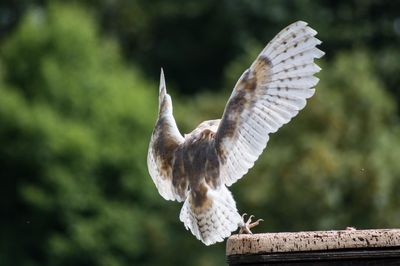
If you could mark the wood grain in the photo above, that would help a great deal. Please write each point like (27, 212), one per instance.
(312, 241)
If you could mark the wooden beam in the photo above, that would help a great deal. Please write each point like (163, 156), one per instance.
(345, 247)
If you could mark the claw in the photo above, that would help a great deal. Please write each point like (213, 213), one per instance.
(255, 223)
(251, 217)
(245, 228)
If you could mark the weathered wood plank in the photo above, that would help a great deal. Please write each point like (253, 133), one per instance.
(309, 241)
(389, 257)
(345, 247)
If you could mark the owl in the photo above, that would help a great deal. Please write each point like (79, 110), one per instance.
(198, 168)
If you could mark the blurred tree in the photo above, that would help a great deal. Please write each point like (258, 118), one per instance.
(218, 31)
(207, 35)
(75, 121)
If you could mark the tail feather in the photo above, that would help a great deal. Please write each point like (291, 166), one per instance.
(215, 222)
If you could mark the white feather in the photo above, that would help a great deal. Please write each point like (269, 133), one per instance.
(300, 67)
(163, 184)
(293, 82)
(294, 47)
(287, 115)
(307, 57)
(295, 71)
(286, 92)
(249, 139)
(267, 126)
(281, 92)
(282, 36)
(242, 152)
(257, 123)
(291, 102)
(219, 220)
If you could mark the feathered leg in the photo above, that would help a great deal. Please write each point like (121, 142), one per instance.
(215, 220)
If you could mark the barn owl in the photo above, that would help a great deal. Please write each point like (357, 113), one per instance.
(198, 168)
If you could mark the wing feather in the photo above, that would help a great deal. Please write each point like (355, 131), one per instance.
(268, 95)
(164, 143)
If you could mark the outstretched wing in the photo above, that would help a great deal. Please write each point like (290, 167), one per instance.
(165, 140)
(268, 95)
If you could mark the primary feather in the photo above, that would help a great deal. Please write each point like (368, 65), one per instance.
(198, 168)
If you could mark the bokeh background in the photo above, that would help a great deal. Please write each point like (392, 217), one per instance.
(78, 100)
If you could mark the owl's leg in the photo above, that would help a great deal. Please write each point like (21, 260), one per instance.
(245, 228)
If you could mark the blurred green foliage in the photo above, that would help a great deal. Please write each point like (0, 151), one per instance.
(76, 118)
(176, 34)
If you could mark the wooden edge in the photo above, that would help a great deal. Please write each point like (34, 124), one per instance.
(311, 241)
(355, 257)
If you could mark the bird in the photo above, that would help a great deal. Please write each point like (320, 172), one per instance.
(197, 168)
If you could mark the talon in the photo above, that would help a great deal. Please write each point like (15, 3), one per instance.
(249, 220)
(245, 228)
(255, 223)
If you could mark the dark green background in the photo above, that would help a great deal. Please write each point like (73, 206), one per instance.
(78, 100)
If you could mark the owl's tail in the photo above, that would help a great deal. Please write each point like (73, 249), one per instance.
(215, 220)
